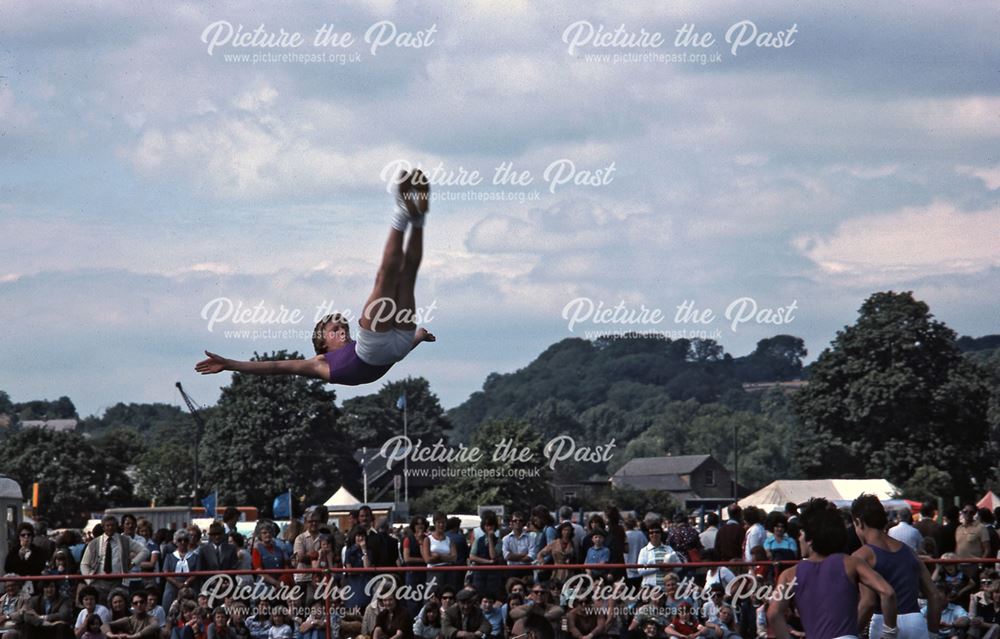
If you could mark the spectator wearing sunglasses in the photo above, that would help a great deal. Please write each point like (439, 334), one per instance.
(138, 625)
(26, 558)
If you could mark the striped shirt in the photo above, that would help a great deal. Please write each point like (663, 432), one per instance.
(651, 555)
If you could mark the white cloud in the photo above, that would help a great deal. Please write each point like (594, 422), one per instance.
(909, 243)
(970, 117)
(259, 155)
(866, 172)
(568, 225)
(990, 175)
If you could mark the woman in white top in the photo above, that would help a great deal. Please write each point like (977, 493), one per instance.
(436, 547)
(180, 562)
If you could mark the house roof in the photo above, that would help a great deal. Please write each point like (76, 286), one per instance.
(667, 465)
(670, 483)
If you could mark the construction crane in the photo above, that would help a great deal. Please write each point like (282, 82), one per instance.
(199, 426)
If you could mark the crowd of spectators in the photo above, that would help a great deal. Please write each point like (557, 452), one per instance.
(535, 592)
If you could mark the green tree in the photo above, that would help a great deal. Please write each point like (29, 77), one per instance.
(165, 466)
(7, 408)
(927, 484)
(775, 359)
(61, 408)
(269, 434)
(628, 498)
(373, 419)
(892, 393)
(76, 477)
(520, 483)
(164, 473)
(123, 444)
(154, 421)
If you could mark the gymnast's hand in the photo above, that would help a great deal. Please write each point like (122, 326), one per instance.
(214, 364)
(423, 335)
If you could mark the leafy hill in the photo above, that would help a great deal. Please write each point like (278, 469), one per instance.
(581, 375)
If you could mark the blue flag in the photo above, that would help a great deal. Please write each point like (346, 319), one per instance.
(282, 506)
(209, 503)
(401, 402)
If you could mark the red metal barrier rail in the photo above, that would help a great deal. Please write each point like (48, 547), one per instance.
(477, 567)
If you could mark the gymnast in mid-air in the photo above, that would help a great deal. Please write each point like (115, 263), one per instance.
(387, 333)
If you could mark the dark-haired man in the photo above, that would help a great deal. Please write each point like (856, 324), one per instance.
(230, 518)
(897, 562)
(987, 520)
(218, 554)
(946, 539)
(516, 546)
(707, 536)
(465, 619)
(825, 584)
(729, 539)
(88, 598)
(927, 526)
(139, 625)
(45, 616)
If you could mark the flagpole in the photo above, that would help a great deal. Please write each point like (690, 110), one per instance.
(406, 474)
(364, 472)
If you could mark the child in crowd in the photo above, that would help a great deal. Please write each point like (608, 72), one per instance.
(259, 624)
(598, 554)
(684, 624)
(92, 627)
(155, 610)
(280, 628)
(491, 610)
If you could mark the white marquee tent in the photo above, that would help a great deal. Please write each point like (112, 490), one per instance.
(342, 497)
(775, 495)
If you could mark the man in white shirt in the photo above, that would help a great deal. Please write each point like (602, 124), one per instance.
(707, 536)
(905, 532)
(756, 535)
(516, 545)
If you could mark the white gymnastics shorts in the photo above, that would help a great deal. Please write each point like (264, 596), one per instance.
(911, 626)
(382, 349)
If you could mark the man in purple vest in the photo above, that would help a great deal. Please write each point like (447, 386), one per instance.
(825, 584)
(898, 564)
(388, 324)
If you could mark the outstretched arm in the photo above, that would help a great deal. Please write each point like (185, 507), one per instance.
(313, 368)
(422, 335)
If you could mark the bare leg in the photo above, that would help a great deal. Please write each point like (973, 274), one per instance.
(405, 296)
(381, 305)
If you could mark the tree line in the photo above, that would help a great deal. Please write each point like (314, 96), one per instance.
(897, 394)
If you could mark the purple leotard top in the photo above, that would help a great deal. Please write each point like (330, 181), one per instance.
(350, 370)
(827, 600)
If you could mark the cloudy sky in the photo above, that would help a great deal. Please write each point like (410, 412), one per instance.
(162, 164)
